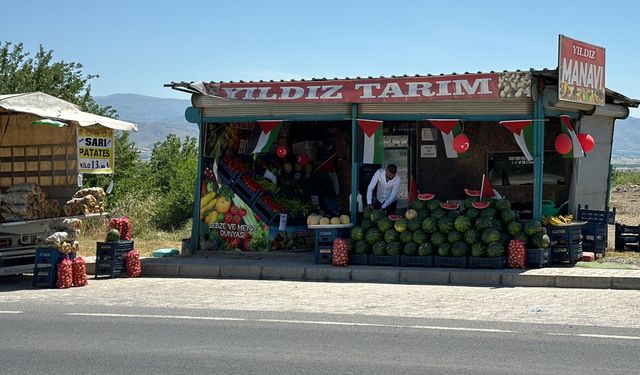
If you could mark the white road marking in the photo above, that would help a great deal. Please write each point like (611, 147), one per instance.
(353, 324)
(10, 312)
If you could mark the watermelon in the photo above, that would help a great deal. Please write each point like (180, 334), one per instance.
(497, 225)
(418, 205)
(426, 249)
(438, 238)
(455, 236)
(505, 238)
(532, 227)
(411, 214)
(514, 228)
(462, 223)
(373, 235)
(401, 224)
(423, 213)
(438, 213)
(384, 224)
(522, 236)
(433, 204)
(480, 205)
(483, 223)
(445, 225)
(479, 250)
(449, 206)
(420, 236)
(472, 213)
(489, 212)
(472, 193)
(430, 225)
(507, 216)
(377, 215)
(395, 217)
(391, 236)
(113, 235)
(414, 225)
(459, 249)
(425, 196)
(471, 236)
(495, 249)
(453, 214)
(468, 202)
(540, 241)
(490, 235)
(367, 224)
(444, 250)
(502, 204)
(379, 248)
(357, 233)
(362, 247)
(395, 248)
(367, 215)
(410, 249)
(406, 237)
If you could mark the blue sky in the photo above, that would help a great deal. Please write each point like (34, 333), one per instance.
(137, 46)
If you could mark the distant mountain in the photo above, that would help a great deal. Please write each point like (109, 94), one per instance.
(159, 117)
(156, 118)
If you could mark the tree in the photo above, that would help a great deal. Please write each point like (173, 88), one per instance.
(20, 73)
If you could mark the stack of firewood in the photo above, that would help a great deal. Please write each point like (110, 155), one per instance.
(27, 202)
(86, 201)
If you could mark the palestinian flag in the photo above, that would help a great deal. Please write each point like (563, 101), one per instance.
(268, 132)
(568, 129)
(373, 148)
(523, 134)
(448, 129)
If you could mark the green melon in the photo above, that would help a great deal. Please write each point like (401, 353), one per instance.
(497, 225)
(113, 235)
(391, 235)
(430, 225)
(462, 223)
(453, 214)
(483, 223)
(423, 213)
(467, 202)
(379, 248)
(438, 213)
(445, 225)
(455, 236)
(495, 249)
(514, 228)
(373, 235)
(433, 205)
(490, 235)
(479, 250)
(505, 238)
(459, 249)
(384, 224)
(438, 238)
(357, 233)
(489, 212)
(406, 237)
(444, 250)
(418, 205)
(414, 224)
(540, 241)
(471, 236)
(507, 216)
(401, 225)
(395, 248)
(362, 247)
(426, 249)
(377, 215)
(502, 204)
(410, 249)
(472, 213)
(420, 236)
(522, 236)
(368, 224)
(532, 227)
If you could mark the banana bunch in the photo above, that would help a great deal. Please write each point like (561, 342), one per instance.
(557, 220)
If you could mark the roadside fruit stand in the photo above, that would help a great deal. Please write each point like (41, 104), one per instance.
(529, 138)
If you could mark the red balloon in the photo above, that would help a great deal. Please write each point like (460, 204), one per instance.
(461, 143)
(586, 141)
(563, 144)
(303, 159)
(282, 152)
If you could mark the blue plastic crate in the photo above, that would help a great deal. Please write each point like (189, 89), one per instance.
(538, 258)
(327, 235)
(569, 233)
(457, 262)
(111, 258)
(416, 261)
(384, 260)
(595, 231)
(597, 216)
(627, 237)
(323, 253)
(481, 262)
(45, 268)
(358, 259)
(570, 252)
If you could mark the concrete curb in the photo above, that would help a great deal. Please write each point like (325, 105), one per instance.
(302, 271)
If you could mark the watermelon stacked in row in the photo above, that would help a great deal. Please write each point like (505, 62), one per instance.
(430, 227)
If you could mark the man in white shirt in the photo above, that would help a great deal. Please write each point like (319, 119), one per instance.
(388, 183)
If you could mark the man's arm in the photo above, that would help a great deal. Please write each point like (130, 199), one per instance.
(393, 196)
(372, 185)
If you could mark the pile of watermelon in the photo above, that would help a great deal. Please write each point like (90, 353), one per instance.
(478, 229)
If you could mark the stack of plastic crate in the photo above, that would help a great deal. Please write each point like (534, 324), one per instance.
(595, 231)
(111, 258)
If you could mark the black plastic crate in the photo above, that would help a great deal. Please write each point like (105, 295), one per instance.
(538, 258)
(323, 253)
(111, 258)
(358, 259)
(627, 237)
(569, 233)
(327, 235)
(496, 263)
(416, 261)
(596, 216)
(384, 260)
(263, 212)
(458, 262)
(595, 231)
(45, 268)
(566, 253)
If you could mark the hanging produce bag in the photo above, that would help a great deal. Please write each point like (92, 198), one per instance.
(79, 272)
(516, 254)
(133, 264)
(340, 253)
(65, 274)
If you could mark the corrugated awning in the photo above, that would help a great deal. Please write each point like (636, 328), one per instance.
(50, 107)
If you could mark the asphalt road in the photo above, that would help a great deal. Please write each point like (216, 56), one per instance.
(51, 331)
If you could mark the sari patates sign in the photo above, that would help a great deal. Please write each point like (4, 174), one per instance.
(95, 150)
(581, 69)
(405, 89)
